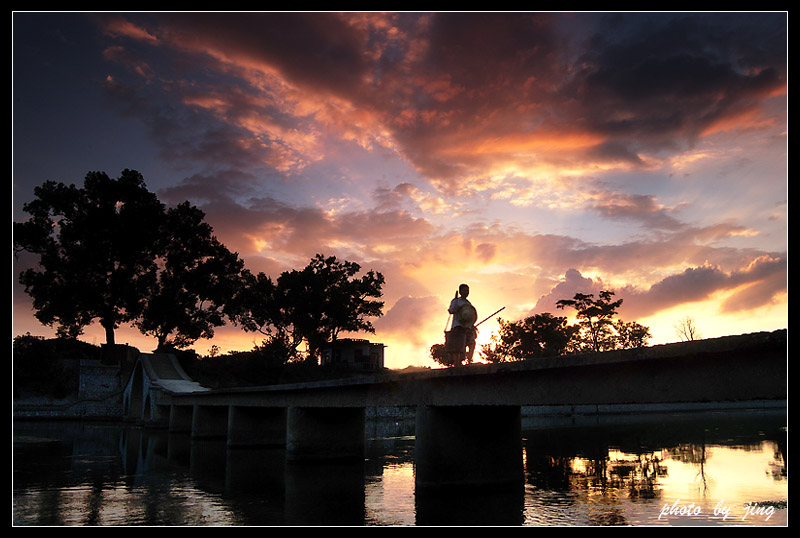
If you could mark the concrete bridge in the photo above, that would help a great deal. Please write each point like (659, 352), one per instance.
(468, 419)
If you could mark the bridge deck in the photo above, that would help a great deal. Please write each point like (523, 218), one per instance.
(745, 367)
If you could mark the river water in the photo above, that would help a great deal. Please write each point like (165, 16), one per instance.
(701, 469)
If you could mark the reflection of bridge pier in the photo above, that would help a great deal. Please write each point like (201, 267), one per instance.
(468, 419)
(454, 445)
(338, 486)
(465, 446)
(181, 418)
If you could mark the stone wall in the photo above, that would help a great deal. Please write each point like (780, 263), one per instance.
(99, 396)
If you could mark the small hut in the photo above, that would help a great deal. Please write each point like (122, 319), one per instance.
(354, 353)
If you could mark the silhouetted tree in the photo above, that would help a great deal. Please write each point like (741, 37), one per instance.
(631, 335)
(313, 305)
(258, 307)
(198, 277)
(544, 335)
(255, 305)
(686, 329)
(109, 251)
(540, 335)
(96, 248)
(595, 318)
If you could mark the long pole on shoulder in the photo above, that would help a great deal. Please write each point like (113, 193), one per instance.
(450, 315)
(490, 316)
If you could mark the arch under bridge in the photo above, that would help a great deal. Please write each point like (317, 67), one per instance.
(154, 378)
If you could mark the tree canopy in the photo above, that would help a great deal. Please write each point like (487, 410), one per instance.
(198, 278)
(595, 318)
(540, 335)
(97, 248)
(110, 251)
(543, 335)
(312, 305)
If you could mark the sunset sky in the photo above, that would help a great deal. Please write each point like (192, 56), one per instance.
(530, 155)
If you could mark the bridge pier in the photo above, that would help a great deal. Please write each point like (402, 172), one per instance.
(180, 418)
(209, 421)
(256, 426)
(325, 433)
(465, 446)
(160, 416)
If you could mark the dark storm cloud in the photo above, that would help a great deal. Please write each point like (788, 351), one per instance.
(658, 81)
(491, 50)
(182, 135)
(642, 84)
(459, 93)
(477, 78)
(315, 49)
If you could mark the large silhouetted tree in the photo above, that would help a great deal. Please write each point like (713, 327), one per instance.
(327, 298)
(258, 306)
(97, 250)
(312, 305)
(110, 251)
(198, 278)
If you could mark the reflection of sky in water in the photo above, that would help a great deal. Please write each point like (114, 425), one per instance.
(731, 477)
(390, 497)
(718, 477)
(703, 483)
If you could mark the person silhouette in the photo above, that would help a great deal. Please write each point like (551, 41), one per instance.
(464, 318)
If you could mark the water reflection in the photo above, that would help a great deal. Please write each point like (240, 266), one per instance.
(605, 474)
(625, 473)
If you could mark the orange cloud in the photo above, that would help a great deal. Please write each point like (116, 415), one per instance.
(119, 26)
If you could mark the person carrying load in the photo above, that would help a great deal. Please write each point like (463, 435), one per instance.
(460, 340)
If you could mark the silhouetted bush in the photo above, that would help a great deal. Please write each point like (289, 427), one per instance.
(48, 367)
(254, 368)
